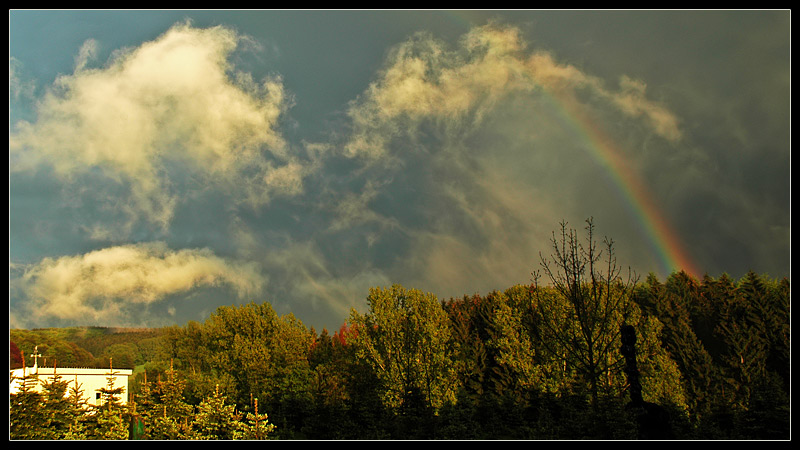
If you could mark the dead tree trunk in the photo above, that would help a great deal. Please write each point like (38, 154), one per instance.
(653, 419)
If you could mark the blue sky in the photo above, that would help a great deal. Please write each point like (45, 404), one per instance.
(164, 163)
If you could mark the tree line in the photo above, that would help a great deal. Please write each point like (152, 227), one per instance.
(89, 347)
(702, 359)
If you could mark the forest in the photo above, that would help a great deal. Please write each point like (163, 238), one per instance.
(579, 353)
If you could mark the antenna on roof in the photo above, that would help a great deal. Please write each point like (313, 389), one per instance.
(35, 357)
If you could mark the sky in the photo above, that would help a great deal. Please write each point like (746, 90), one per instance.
(165, 163)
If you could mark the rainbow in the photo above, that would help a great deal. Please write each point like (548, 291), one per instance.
(669, 248)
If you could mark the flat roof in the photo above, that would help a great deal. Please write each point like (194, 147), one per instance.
(74, 371)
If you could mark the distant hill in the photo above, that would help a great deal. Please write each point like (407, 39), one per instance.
(85, 346)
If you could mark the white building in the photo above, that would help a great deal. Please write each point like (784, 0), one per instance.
(89, 381)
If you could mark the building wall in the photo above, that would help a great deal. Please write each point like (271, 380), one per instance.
(88, 380)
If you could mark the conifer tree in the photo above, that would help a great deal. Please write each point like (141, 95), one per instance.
(79, 406)
(144, 405)
(26, 415)
(108, 420)
(256, 426)
(471, 324)
(59, 409)
(166, 410)
(678, 338)
(217, 420)
(767, 314)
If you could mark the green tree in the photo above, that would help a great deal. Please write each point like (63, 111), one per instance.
(61, 411)
(516, 350)
(661, 378)
(766, 314)
(80, 408)
(109, 420)
(678, 337)
(331, 386)
(404, 338)
(217, 420)
(26, 415)
(250, 352)
(347, 396)
(325, 359)
(52, 346)
(163, 408)
(124, 354)
(256, 426)
(481, 375)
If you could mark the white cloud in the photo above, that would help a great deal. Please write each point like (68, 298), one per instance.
(87, 53)
(103, 285)
(172, 106)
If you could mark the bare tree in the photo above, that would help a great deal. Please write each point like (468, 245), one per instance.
(582, 323)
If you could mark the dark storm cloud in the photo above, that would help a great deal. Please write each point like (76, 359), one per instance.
(447, 162)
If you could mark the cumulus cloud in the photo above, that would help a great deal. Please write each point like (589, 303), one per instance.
(171, 109)
(105, 286)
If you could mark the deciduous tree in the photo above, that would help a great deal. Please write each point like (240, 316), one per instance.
(404, 338)
(585, 325)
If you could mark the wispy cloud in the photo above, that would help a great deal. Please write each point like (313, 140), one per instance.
(473, 136)
(317, 283)
(105, 286)
(425, 80)
(17, 86)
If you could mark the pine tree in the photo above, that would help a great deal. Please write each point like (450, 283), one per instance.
(767, 314)
(59, 409)
(144, 405)
(26, 415)
(257, 426)
(80, 407)
(170, 416)
(108, 421)
(471, 324)
(670, 305)
(216, 420)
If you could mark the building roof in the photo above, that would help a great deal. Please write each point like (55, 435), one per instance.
(73, 371)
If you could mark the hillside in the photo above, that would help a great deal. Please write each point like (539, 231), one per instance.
(85, 346)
